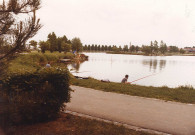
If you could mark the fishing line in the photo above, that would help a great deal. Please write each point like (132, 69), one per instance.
(142, 78)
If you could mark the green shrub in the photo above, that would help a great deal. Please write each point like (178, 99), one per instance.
(36, 96)
(68, 55)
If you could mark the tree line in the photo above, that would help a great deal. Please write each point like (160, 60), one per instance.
(95, 47)
(63, 44)
(113, 48)
(153, 49)
(60, 44)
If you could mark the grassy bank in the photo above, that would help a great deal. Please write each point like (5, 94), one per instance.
(68, 124)
(180, 94)
(35, 60)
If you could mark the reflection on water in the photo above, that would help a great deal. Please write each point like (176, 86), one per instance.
(153, 63)
(171, 71)
(162, 64)
(76, 65)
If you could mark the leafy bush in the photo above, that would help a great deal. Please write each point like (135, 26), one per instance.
(37, 96)
(68, 55)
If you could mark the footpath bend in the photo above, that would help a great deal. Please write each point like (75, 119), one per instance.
(168, 117)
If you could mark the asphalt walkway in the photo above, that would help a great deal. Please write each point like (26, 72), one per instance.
(169, 117)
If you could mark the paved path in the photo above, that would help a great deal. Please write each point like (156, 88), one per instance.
(168, 117)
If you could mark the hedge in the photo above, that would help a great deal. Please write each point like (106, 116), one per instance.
(36, 96)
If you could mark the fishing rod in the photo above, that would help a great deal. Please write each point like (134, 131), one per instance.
(142, 78)
(79, 72)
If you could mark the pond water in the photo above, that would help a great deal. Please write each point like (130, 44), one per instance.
(171, 71)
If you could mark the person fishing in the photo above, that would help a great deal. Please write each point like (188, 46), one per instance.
(125, 79)
(127, 76)
(48, 65)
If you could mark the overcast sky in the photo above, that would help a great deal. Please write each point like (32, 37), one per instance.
(119, 22)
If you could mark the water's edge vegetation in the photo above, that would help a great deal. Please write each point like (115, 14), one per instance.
(182, 94)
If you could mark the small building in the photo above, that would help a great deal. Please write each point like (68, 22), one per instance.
(190, 49)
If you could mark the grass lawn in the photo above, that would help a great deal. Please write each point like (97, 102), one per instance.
(35, 60)
(180, 94)
(68, 124)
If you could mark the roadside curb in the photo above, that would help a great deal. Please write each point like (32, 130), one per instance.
(116, 123)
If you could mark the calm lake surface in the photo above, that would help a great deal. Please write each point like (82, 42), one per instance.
(171, 71)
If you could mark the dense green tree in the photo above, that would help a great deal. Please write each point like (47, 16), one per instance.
(120, 48)
(93, 47)
(182, 51)
(109, 48)
(52, 39)
(65, 46)
(33, 43)
(59, 44)
(98, 48)
(155, 47)
(136, 48)
(103, 48)
(89, 48)
(44, 45)
(125, 48)
(85, 48)
(64, 39)
(146, 49)
(132, 48)
(151, 47)
(163, 47)
(173, 49)
(115, 49)
(106, 48)
(76, 44)
(161, 43)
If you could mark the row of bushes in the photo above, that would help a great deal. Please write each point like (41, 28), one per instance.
(35, 95)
